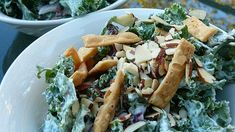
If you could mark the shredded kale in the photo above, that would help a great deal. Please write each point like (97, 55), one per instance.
(60, 96)
(103, 51)
(143, 30)
(104, 80)
(35, 9)
(64, 65)
(176, 14)
(116, 126)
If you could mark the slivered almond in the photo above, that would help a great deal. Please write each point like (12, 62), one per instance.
(88, 103)
(170, 51)
(198, 62)
(172, 31)
(138, 92)
(124, 117)
(183, 113)
(205, 76)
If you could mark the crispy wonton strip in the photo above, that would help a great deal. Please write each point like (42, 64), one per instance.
(74, 54)
(105, 40)
(169, 85)
(86, 53)
(80, 75)
(102, 66)
(111, 99)
(198, 29)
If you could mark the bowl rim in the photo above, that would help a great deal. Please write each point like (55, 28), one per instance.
(11, 20)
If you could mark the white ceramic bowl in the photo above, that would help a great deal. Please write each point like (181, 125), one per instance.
(22, 106)
(38, 28)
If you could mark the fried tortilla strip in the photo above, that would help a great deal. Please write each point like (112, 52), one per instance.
(198, 29)
(86, 53)
(90, 64)
(106, 40)
(74, 54)
(79, 75)
(175, 73)
(102, 66)
(111, 99)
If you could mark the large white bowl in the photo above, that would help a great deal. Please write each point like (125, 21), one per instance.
(22, 106)
(38, 28)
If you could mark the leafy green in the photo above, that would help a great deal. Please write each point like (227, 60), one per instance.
(116, 126)
(104, 80)
(80, 124)
(151, 126)
(200, 120)
(102, 52)
(64, 65)
(176, 14)
(53, 9)
(60, 96)
(143, 30)
(130, 80)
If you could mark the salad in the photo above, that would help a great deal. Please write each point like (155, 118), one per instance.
(50, 9)
(155, 74)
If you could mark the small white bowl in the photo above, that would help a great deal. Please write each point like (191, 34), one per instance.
(38, 28)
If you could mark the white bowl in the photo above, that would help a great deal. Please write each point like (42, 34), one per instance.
(38, 28)
(22, 106)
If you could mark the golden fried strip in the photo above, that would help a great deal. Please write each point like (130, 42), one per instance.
(106, 40)
(169, 85)
(111, 99)
(74, 54)
(198, 29)
(86, 53)
(80, 75)
(102, 66)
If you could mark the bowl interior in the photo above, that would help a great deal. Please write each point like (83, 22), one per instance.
(23, 107)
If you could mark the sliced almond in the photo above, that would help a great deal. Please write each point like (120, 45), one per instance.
(135, 126)
(205, 76)
(157, 109)
(125, 48)
(183, 113)
(95, 109)
(172, 31)
(170, 51)
(153, 115)
(142, 54)
(118, 47)
(155, 84)
(161, 69)
(75, 107)
(188, 71)
(120, 54)
(138, 92)
(160, 39)
(200, 14)
(88, 103)
(172, 120)
(175, 42)
(130, 54)
(121, 62)
(198, 62)
(147, 91)
(125, 117)
(166, 65)
(131, 68)
(167, 108)
(168, 37)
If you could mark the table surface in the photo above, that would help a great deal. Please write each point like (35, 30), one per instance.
(12, 42)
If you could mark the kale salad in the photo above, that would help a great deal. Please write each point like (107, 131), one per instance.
(155, 74)
(50, 9)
